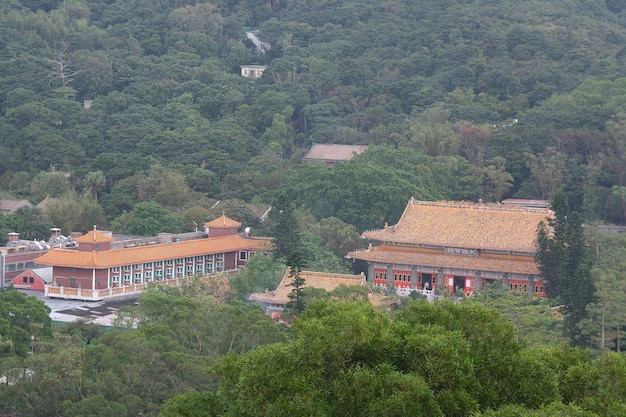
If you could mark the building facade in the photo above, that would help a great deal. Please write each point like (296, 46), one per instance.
(19, 255)
(456, 248)
(33, 279)
(95, 270)
(252, 71)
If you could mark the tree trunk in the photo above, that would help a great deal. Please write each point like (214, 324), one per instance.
(603, 334)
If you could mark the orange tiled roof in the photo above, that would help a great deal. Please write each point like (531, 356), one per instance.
(465, 225)
(223, 222)
(141, 254)
(324, 280)
(94, 236)
(438, 259)
(260, 244)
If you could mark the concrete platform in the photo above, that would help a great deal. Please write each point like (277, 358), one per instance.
(101, 312)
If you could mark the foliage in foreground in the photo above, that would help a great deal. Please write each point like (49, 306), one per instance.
(179, 333)
(23, 320)
(350, 359)
(534, 319)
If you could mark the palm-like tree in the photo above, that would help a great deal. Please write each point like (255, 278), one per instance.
(95, 181)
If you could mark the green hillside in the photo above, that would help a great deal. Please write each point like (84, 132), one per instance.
(520, 98)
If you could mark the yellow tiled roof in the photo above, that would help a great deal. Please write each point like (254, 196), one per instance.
(141, 254)
(94, 236)
(465, 225)
(223, 222)
(438, 259)
(324, 280)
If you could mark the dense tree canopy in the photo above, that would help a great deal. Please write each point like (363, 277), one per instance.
(24, 321)
(430, 359)
(506, 99)
(607, 314)
(197, 350)
(148, 218)
(80, 370)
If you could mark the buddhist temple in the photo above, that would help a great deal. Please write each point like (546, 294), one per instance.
(456, 247)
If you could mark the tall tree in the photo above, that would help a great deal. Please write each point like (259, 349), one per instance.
(24, 321)
(284, 228)
(608, 314)
(561, 259)
(148, 218)
(48, 184)
(548, 171)
(552, 255)
(579, 295)
(94, 182)
(296, 262)
(73, 213)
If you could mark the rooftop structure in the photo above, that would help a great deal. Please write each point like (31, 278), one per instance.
(19, 254)
(11, 205)
(528, 203)
(331, 154)
(274, 301)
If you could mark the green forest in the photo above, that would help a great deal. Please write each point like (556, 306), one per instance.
(133, 115)
(201, 351)
(458, 100)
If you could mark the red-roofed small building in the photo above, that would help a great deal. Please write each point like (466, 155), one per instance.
(98, 269)
(33, 279)
(331, 154)
(458, 247)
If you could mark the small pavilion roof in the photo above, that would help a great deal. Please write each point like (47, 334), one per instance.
(223, 222)
(324, 280)
(94, 236)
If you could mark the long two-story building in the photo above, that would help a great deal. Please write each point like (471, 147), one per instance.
(458, 247)
(97, 269)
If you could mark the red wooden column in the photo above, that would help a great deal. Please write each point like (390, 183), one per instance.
(472, 285)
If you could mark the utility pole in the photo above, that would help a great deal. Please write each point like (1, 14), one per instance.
(2, 270)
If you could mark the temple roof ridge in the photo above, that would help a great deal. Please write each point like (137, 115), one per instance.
(223, 222)
(94, 236)
(465, 224)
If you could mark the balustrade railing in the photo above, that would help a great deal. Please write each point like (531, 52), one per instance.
(99, 295)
